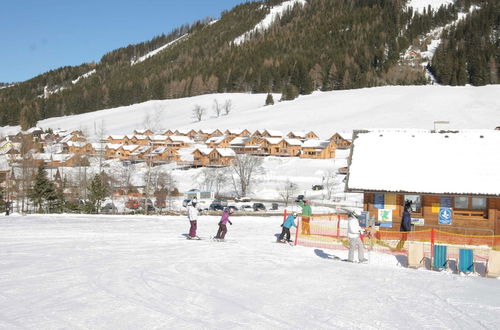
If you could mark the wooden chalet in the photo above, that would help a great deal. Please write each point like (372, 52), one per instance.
(282, 147)
(111, 149)
(204, 134)
(139, 153)
(318, 149)
(238, 144)
(185, 132)
(168, 132)
(272, 134)
(222, 141)
(143, 132)
(340, 141)
(179, 141)
(452, 179)
(219, 157)
(254, 146)
(80, 148)
(159, 140)
(160, 155)
(116, 139)
(200, 157)
(125, 150)
(234, 132)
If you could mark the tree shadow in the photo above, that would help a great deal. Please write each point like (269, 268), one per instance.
(324, 255)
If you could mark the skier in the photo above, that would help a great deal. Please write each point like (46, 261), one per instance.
(221, 233)
(353, 233)
(192, 214)
(405, 225)
(289, 223)
(306, 216)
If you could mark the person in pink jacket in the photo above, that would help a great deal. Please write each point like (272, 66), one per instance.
(221, 233)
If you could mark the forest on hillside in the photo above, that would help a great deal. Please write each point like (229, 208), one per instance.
(324, 45)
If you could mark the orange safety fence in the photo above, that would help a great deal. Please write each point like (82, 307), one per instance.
(329, 231)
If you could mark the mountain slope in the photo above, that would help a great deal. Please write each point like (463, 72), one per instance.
(320, 44)
(323, 112)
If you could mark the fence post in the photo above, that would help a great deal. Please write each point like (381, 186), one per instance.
(433, 234)
(338, 226)
(284, 215)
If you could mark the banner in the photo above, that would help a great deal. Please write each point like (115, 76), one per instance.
(385, 218)
(418, 221)
(445, 215)
(390, 202)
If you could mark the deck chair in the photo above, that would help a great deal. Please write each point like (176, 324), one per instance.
(440, 260)
(493, 266)
(466, 261)
(415, 254)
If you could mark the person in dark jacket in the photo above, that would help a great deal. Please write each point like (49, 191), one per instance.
(405, 225)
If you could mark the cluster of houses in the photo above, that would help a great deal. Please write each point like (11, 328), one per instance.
(195, 148)
(218, 148)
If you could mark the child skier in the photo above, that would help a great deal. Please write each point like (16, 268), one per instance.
(192, 214)
(221, 233)
(353, 233)
(289, 222)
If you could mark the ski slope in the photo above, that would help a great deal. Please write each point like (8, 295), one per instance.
(323, 112)
(136, 272)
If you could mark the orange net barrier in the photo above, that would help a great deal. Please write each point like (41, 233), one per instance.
(329, 231)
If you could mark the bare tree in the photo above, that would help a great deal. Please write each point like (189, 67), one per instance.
(243, 171)
(228, 106)
(212, 179)
(217, 108)
(198, 112)
(331, 181)
(287, 190)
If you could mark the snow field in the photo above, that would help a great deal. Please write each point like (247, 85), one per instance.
(137, 272)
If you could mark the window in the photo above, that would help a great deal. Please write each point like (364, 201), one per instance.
(478, 203)
(416, 202)
(461, 203)
(470, 203)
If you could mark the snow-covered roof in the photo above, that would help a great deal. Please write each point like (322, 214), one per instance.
(140, 150)
(77, 144)
(315, 143)
(203, 150)
(235, 131)
(274, 133)
(273, 140)
(216, 139)
(181, 138)
(226, 152)
(239, 140)
(158, 137)
(425, 162)
(300, 134)
(117, 137)
(130, 147)
(293, 142)
(113, 146)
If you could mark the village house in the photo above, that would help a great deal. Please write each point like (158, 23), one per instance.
(143, 132)
(222, 141)
(272, 134)
(178, 141)
(116, 139)
(287, 148)
(318, 149)
(111, 149)
(168, 132)
(234, 132)
(185, 132)
(219, 157)
(340, 141)
(139, 153)
(253, 146)
(452, 179)
(159, 140)
(200, 157)
(161, 155)
(125, 150)
(78, 148)
(204, 134)
(238, 144)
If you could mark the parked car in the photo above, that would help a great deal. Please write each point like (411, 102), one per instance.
(132, 204)
(220, 201)
(109, 208)
(246, 207)
(317, 187)
(299, 198)
(242, 199)
(274, 206)
(216, 207)
(258, 207)
(232, 208)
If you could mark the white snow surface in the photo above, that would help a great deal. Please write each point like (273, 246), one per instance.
(137, 272)
(325, 113)
(263, 25)
(420, 5)
(156, 51)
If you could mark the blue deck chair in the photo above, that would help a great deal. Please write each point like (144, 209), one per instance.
(466, 261)
(440, 257)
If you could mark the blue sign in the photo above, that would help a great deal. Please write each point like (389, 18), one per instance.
(445, 214)
(445, 201)
(378, 201)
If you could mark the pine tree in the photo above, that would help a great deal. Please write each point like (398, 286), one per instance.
(42, 190)
(97, 193)
(269, 99)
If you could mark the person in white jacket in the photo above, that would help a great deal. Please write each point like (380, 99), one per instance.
(353, 233)
(192, 214)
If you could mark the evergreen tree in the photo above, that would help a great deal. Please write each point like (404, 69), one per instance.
(43, 189)
(97, 193)
(269, 99)
(290, 92)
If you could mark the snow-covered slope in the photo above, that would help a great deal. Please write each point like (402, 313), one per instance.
(263, 25)
(157, 50)
(137, 272)
(323, 112)
(420, 5)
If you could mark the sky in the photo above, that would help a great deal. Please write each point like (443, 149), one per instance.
(38, 36)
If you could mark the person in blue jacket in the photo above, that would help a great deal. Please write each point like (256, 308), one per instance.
(285, 232)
